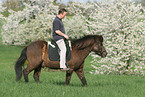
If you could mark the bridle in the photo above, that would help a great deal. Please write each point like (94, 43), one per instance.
(100, 50)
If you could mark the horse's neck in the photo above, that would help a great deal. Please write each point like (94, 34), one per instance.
(86, 51)
(83, 53)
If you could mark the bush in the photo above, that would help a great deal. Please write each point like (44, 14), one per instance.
(75, 26)
(33, 23)
(122, 25)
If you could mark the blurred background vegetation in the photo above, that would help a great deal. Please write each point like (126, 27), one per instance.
(17, 5)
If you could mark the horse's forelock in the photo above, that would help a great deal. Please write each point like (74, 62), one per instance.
(99, 38)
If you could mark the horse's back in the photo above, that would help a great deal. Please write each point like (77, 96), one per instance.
(38, 43)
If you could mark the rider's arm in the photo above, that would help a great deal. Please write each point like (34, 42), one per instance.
(62, 34)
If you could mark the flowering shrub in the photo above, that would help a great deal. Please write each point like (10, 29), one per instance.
(75, 26)
(123, 27)
(33, 23)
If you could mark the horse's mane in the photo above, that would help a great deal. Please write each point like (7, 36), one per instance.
(86, 41)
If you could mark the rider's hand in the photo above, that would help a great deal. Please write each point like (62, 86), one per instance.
(66, 37)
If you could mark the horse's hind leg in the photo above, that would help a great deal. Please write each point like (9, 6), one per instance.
(37, 73)
(26, 72)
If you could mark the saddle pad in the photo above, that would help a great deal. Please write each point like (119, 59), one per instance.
(53, 51)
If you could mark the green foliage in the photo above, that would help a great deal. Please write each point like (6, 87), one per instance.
(15, 5)
(1, 24)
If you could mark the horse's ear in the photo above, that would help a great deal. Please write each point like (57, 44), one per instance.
(101, 38)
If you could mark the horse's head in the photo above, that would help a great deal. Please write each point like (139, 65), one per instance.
(98, 47)
(91, 43)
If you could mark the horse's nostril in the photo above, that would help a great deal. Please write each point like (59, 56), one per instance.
(104, 54)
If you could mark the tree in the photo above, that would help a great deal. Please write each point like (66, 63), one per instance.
(20, 27)
(14, 5)
(123, 27)
(143, 2)
(74, 28)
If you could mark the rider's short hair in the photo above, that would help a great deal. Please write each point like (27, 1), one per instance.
(62, 11)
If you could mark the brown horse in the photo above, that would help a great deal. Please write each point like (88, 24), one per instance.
(36, 54)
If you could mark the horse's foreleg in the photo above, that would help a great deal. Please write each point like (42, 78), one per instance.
(80, 74)
(68, 76)
(37, 73)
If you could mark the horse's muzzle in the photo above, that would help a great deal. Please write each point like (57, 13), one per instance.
(103, 54)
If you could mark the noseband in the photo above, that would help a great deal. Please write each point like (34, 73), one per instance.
(100, 50)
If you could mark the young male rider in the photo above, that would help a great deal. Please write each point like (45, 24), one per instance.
(59, 36)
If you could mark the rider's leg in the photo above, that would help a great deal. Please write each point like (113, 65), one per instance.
(62, 47)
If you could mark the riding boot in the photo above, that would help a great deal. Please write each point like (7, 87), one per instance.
(66, 69)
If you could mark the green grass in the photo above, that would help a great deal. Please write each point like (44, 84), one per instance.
(52, 83)
(0, 33)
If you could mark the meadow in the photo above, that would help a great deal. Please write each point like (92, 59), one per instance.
(52, 83)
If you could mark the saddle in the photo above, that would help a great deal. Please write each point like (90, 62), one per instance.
(53, 51)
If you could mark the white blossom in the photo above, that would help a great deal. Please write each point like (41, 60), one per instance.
(33, 23)
(123, 27)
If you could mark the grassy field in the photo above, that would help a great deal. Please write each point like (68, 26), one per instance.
(52, 82)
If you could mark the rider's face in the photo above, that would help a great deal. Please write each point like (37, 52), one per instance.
(63, 15)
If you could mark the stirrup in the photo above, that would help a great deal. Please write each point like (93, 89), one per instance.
(65, 69)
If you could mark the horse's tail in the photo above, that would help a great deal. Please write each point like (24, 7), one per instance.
(19, 64)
